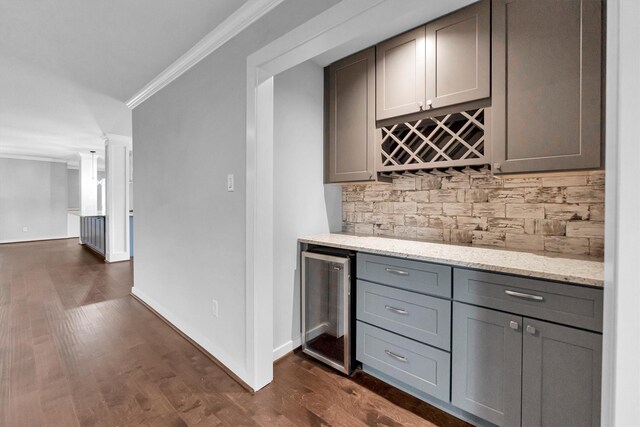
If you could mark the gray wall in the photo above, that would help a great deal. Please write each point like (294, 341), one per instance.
(33, 194)
(190, 232)
(73, 188)
(303, 205)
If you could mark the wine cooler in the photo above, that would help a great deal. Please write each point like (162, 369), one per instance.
(327, 307)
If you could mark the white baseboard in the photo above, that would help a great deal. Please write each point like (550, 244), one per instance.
(201, 340)
(286, 348)
(35, 239)
(291, 345)
(117, 257)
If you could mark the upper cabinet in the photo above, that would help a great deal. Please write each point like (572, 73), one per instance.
(400, 75)
(459, 56)
(351, 121)
(546, 82)
(443, 63)
(515, 83)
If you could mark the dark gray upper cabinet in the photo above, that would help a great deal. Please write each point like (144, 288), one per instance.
(459, 56)
(486, 364)
(560, 375)
(351, 122)
(443, 63)
(546, 85)
(400, 75)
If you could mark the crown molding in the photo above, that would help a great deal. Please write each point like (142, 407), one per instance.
(32, 158)
(247, 14)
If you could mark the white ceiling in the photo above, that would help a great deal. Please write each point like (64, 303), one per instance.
(67, 66)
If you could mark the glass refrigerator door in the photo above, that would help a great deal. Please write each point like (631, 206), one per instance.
(325, 319)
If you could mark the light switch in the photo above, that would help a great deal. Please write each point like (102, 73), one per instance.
(230, 184)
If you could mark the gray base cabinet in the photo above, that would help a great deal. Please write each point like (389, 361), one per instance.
(514, 371)
(560, 375)
(419, 366)
(481, 345)
(487, 357)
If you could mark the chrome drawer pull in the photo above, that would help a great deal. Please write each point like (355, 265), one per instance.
(396, 356)
(396, 310)
(524, 296)
(396, 271)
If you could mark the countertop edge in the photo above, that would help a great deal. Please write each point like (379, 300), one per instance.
(575, 280)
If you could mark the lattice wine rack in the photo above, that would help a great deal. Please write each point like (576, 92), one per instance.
(448, 141)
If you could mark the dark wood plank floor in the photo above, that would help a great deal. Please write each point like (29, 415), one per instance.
(76, 349)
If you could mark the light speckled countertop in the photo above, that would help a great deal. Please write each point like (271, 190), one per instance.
(579, 271)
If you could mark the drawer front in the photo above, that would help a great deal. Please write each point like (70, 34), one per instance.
(420, 317)
(561, 303)
(406, 274)
(419, 366)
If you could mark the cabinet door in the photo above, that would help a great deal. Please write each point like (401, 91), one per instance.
(352, 124)
(487, 364)
(546, 81)
(459, 56)
(561, 375)
(400, 75)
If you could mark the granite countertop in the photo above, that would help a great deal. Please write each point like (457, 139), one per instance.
(578, 271)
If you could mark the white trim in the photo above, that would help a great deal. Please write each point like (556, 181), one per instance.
(286, 348)
(117, 257)
(246, 15)
(33, 158)
(202, 340)
(335, 27)
(621, 329)
(35, 239)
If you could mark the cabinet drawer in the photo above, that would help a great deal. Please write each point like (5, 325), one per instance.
(420, 317)
(419, 366)
(557, 302)
(417, 276)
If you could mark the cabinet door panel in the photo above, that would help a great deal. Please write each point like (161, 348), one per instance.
(352, 118)
(458, 56)
(400, 75)
(546, 84)
(561, 375)
(487, 364)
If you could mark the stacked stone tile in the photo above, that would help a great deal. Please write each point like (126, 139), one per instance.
(561, 213)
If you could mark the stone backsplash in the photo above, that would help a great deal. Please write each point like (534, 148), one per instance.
(552, 212)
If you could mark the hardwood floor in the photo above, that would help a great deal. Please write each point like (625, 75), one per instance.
(76, 349)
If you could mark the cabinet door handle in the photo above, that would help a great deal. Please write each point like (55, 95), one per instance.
(531, 329)
(396, 356)
(514, 325)
(396, 271)
(524, 296)
(396, 310)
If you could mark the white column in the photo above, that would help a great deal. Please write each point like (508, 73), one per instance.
(117, 150)
(88, 173)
